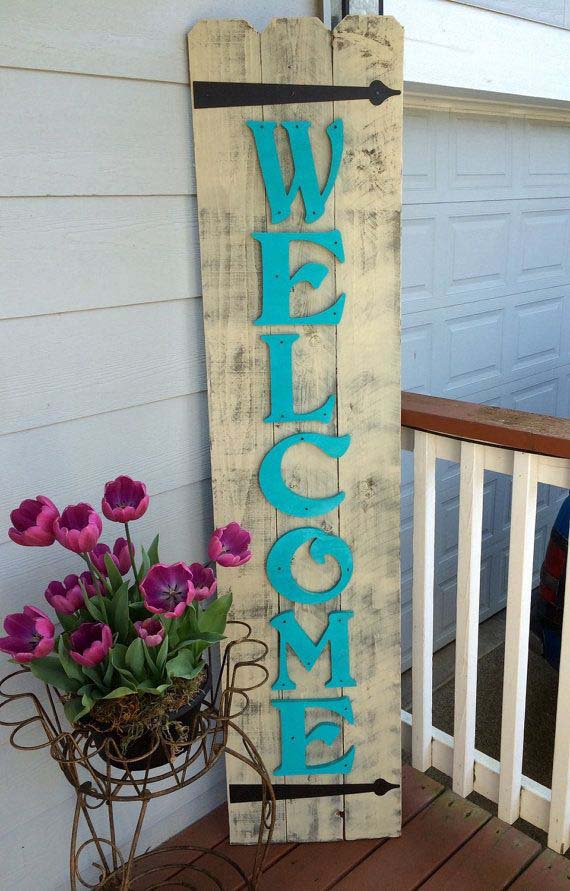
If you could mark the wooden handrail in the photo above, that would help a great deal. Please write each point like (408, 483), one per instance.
(520, 430)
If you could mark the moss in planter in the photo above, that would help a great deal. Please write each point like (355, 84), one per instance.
(131, 716)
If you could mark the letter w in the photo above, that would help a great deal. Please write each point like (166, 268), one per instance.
(304, 178)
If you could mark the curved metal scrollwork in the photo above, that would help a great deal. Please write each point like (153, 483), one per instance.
(103, 776)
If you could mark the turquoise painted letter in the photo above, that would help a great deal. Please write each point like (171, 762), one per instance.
(323, 545)
(280, 495)
(307, 652)
(295, 741)
(281, 384)
(277, 280)
(305, 177)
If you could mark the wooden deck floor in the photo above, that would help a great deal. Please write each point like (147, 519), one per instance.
(447, 844)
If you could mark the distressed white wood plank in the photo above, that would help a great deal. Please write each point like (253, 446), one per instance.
(183, 518)
(299, 51)
(81, 364)
(367, 213)
(237, 362)
(66, 134)
(521, 551)
(559, 823)
(166, 443)
(143, 39)
(60, 254)
(422, 594)
(467, 634)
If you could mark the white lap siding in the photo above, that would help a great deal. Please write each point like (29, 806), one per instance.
(102, 356)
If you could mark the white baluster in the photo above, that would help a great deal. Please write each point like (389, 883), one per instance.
(521, 552)
(467, 628)
(423, 579)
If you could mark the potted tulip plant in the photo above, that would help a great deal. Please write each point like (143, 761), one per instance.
(127, 657)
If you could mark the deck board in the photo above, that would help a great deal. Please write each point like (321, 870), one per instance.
(427, 842)
(447, 843)
(492, 858)
(321, 865)
(549, 872)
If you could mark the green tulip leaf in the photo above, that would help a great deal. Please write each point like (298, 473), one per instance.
(50, 671)
(184, 665)
(147, 687)
(145, 565)
(71, 668)
(91, 605)
(214, 617)
(162, 654)
(153, 552)
(74, 709)
(113, 573)
(134, 657)
(68, 622)
(120, 609)
(119, 692)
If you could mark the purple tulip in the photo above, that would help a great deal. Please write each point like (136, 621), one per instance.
(66, 597)
(203, 581)
(229, 545)
(33, 522)
(119, 555)
(168, 589)
(30, 635)
(151, 631)
(78, 528)
(124, 500)
(90, 643)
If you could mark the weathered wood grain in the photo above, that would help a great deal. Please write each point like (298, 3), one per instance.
(359, 359)
(231, 205)
(367, 212)
(299, 51)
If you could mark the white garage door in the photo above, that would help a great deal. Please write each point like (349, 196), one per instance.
(486, 307)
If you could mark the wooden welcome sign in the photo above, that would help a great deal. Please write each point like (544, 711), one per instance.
(298, 135)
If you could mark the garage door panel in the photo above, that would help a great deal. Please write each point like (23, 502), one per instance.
(480, 152)
(536, 334)
(547, 159)
(456, 156)
(485, 311)
(455, 254)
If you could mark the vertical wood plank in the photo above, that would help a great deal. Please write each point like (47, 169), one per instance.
(521, 552)
(422, 597)
(367, 213)
(559, 824)
(467, 633)
(299, 51)
(231, 206)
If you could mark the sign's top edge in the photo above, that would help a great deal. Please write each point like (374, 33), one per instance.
(345, 25)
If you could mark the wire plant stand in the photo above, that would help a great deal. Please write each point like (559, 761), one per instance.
(103, 777)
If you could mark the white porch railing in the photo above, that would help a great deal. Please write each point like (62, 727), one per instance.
(532, 449)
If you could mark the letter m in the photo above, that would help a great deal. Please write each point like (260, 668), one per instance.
(307, 651)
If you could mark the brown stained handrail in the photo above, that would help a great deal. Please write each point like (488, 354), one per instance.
(522, 431)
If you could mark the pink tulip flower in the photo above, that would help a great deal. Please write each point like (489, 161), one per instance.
(33, 522)
(78, 528)
(168, 589)
(151, 631)
(229, 545)
(124, 500)
(203, 581)
(31, 635)
(67, 597)
(119, 555)
(90, 644)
